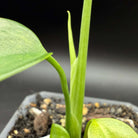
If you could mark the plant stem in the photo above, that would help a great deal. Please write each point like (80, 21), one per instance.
(77, 95)
(83, 52)
(64, 86)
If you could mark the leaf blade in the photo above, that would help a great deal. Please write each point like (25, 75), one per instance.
(58, 131)
(71, 41)
(19, 48)
(110, 128)
(77, 95)
(13, 71)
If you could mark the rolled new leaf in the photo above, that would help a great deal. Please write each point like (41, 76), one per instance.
(108, 128)
(20, 48)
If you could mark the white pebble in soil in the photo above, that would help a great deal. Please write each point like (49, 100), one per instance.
(48, 136)
(129, 121)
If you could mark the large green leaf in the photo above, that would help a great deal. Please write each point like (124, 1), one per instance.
(58, 131)
(109, 128)
(19, 48)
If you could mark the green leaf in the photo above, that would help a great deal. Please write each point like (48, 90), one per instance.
(73, 78)
(78, 85)
(72, 53)
(19, 48)
(58, 131)
(109, 128)
(70, 39)
(86, 129)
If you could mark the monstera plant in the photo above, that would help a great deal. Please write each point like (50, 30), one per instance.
(20, 48)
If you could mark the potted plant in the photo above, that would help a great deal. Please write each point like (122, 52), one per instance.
(20, 48)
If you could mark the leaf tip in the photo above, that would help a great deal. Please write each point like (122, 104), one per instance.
(68, 12)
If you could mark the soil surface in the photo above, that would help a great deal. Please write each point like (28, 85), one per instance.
(44, 112)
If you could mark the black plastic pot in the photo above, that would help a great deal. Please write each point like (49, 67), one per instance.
(31, 98)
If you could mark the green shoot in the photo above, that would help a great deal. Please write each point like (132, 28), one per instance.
(79, 67)
(20, 49)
